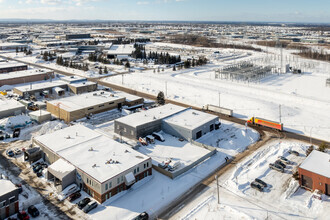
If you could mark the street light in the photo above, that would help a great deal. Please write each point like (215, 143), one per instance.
(310, 136)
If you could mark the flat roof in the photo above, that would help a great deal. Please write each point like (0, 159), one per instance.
(190, 118)
(6, 186)
(85, 100)
(40, 85)
(39, 113)
(150, 115)
(121, 49)
(4, 65)
(9, 104)
(71, 79)
(129, 97)
(23, 73)
(10, 44)
(61, 168)
(317, 162)
(82, 84)
(89, 151)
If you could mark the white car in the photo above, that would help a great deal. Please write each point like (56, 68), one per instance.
(67, 191)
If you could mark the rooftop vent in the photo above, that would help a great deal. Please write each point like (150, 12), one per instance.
(68, 137)
(126, 151)
(90, 149)
(94, 165)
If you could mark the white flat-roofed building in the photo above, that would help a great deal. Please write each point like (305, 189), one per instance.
(25, 76)
(10, 108)
(104, 167)
(12, 46)
(6, 67)
(76, 107)
(120, 50)
(39, 87)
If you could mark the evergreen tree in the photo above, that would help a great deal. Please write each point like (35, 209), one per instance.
(161, 98)
(174, 69)
(100, 71)
(105, 70)
(127, 65)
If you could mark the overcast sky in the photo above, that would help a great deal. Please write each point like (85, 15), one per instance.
(188, 10)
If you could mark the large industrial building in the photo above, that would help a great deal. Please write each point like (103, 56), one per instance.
(96, 163)
(39, 88)
(26, 76)
(10, 107)
(175, 120)
(76, 107)
(314, 172)
(6, 67)
(12, 46)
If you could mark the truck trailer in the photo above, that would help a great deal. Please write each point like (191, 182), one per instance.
(265, 123)
(217, 109)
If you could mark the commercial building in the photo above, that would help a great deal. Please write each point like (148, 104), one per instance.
(10, 108)
(76, 107)
(6, 67)
(82, 87)
(26, 76)
(40, 116)
(132, 101)
(12, 46)
(103, 167)
(77, 36)
(145, 122)
(189, 124)
(39, 88)
(120, 50)
(8, 199)
(314, 172)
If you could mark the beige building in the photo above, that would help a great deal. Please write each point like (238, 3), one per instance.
(82, 87)
(76, 107)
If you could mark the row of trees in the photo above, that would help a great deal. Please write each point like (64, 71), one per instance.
(192, 63)
(316, 55)
(60, 61)
(48, 56)
(94, 57)
(24, 50)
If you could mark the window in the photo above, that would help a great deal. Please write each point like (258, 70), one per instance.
(134, 171)
(110, 185)
(90, 109)
(2, 204)
(211, 127)
(124, 129)
(138, 169)
(87, 180)
(12, 199)
(117, 180)
(122, 178)
(110, 103)
(100, 106)
(147, 164)
(132, 132)
(145, 174)
(107, 196)
(106, 186)
(144, 166)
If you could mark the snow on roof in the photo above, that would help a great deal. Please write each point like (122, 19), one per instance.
(82, 84)
(61, 167)
(121, 49)
(9, 104)
(39, 113)
(72, 79)
(9, 44)
(190, 119)
(4, 65)
(40, 85)
(23, 73)
(317, 162)
(73, 103)
(94, 150)
(129, 97)
(150, 115)
(15, 120)
(6, 186)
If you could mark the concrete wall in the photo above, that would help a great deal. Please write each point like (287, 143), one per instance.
(205, 128)
(36, 92)
(12, 112)
(26, 79)
(125, 130)
(83, 89)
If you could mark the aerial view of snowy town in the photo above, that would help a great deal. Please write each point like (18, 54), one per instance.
(164, 109)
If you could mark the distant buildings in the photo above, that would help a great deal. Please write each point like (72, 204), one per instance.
(10, 108)
(314, 172)
(6, 67)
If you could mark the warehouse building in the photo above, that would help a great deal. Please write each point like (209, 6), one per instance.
(103, 168)
(6, 67)
(132, 101)
(39, 88)
(26, 76)
(144, 123)
(82, 87)
(77, 36)
(76, 107)
(10, 108)
(12, 46)
(8, 199)
(314, 172)
(40, 116)
(189, 124)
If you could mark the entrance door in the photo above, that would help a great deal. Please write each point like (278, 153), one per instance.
(307, 182)
(198, 134)
(327, 189)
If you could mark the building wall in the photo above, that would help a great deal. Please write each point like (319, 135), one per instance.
(134, 102)
(26, 79)
(148, 128)
(83, 89)
(36, 92)
(205, 128)
(74, 115)
(125, 130)
(11, 207)
(12, 112)
(13, 69)
(319, 182)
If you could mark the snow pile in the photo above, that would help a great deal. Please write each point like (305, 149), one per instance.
(15, 121)
(48, 127)
(292, 188)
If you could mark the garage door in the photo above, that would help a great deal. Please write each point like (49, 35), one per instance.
(327, 189)
(307, 182)
(198, 134)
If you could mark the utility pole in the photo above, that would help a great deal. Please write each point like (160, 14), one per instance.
(122, 79)
(166, 89)
(279, 108)
(310, 136)
(216, 177)
(219, 99)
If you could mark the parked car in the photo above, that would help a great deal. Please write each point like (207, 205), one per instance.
(284, 160)
(10, 153)
(17, 151)
(74, 196)
(39, 173)
(90, 206)
(37, 168)
(276, 167)
(261, 182)
(67, 191)
(33, 211)
(257, 186)
(279, 162)
(142, 216)
(293, 152)
(22, 215)
(82, 203)
(158, 136)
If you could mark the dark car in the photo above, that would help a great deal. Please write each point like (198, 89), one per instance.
(74, 196)
(261, 182)
(142, 216)
(279, 162)
(33, 211)
(37, 168)
(23, 215)
(39, 173)
(10, 153)
(293, 152)
(276, 167)
(257, 186)
(36, 164)
(90, 206)
(81, 204)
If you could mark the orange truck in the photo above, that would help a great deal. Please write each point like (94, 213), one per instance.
(265, 123)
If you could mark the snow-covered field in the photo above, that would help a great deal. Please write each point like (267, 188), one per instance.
(304, 99)
(282, 199)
